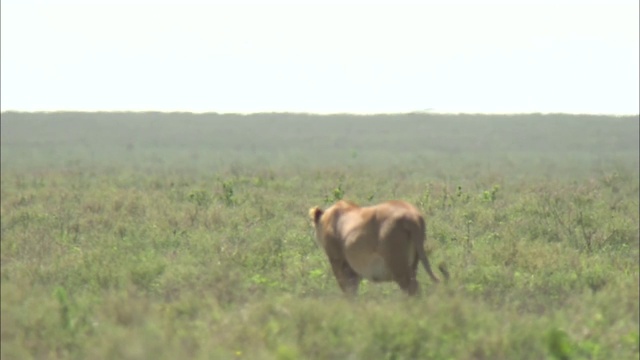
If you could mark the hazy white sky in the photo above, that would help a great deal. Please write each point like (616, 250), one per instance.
(363, 57)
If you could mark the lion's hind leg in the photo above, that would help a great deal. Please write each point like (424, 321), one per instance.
(404, 272)
(347, 278)
(407, 283)
(401, 259)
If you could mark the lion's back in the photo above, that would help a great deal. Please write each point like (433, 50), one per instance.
(369, 224)
(395, 212)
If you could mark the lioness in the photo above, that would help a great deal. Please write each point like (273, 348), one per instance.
(380, 243)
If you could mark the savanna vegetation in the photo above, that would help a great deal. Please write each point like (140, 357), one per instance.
(185, 236)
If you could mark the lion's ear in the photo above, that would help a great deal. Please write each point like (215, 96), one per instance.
(314, 214)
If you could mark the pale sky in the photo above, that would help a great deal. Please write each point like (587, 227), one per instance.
(362, 57)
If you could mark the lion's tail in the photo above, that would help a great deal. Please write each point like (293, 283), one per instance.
(419, 240)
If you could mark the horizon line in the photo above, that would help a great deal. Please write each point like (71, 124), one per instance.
(414, 112)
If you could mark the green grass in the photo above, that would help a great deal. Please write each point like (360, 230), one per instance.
(137, 236)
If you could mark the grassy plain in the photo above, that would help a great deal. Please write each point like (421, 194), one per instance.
(183, 236)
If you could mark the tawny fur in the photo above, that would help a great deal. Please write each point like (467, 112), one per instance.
(382, 242)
